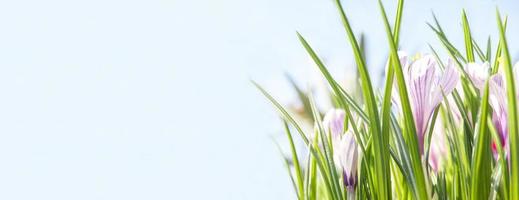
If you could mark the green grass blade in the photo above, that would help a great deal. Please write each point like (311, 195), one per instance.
(458, 153)
(429, 137)
(482, 158)
(403, 152)
(381, 149)
(325, 173)
(443, 39)
(398, 21)
(499, 51)
(513, 131)
(302, 96)
(295, 161)
(283, 112)
(311, 178)
(286, 161)
(482, 56)
(489, 50)
(359, 137)
(386, 105)
(469, 50)
(336, 88)
(367, 88)
(327, 148)
(408, 116)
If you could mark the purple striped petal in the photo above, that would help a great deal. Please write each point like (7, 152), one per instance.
(427, 86)
(334, 122)
(498, 102)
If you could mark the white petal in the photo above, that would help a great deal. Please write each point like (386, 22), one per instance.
(478, 73)
(346, 154)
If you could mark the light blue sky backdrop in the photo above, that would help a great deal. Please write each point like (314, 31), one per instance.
(109, 99)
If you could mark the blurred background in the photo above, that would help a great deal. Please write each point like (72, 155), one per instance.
(152, 99)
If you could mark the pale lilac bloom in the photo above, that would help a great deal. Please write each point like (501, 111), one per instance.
(498, 102)
(427, 85)
(497, 99)
(346, 158)
(345, 148)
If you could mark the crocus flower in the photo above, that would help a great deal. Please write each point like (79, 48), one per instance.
(497, 98)
(427, 85)
(346, 158)
(345, 148)
(498, 102)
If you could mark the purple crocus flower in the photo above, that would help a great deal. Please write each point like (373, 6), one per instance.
(346, 158)
(427, 85)
(497, 99)
(498, 102)
(345, 148)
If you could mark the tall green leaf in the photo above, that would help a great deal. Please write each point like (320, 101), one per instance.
(381, 148)
(482, 158)
(513, 130)
(283, 112)
(410, 128)
(468, 38)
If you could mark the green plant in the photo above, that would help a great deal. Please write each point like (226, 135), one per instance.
(438, 130)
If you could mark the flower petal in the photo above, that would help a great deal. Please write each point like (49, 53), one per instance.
(334, 122)
(478, 73)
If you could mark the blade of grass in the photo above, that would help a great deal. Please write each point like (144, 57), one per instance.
(429, 137)
(408, 116)
(283, 112)
(489, 49)
(469, 50)
(386, 105)
(482, 56)
(499, 50)
(482, 158)
(301, 95)
(295, 161)
(359, 137)
(403, 152)
(311, 178)
(459, 154)
(454, 54)
(443, 39)
(336, 88)
(381, 149)
(325, 173)
(327, 148)
(286, 161)
(513, 130)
